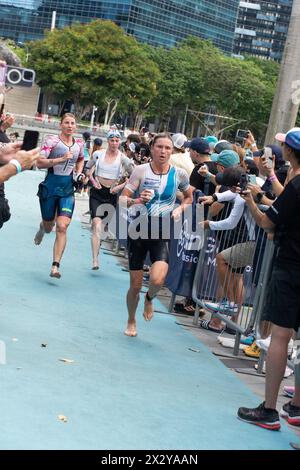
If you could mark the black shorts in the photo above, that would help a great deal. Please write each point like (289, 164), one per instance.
(99, 197)
(138, 249)
(282, 305)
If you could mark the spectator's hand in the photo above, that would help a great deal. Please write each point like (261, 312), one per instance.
(203, 171)
(176, 214)
(265, 168)
(246, 195)
(206, 200)
(9, 150)
(27, 159)
(254, 188)
(249, 140)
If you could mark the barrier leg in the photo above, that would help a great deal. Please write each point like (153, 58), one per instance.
(261, 361)
(236, 347)
(172, 302)
(196, 314)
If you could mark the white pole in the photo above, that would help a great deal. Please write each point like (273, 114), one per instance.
(92, 118)
(53, 21)
(286, 100)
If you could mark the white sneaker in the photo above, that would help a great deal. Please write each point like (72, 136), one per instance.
(229, 343)
(288, 371)
(225, 307)
(265, 343)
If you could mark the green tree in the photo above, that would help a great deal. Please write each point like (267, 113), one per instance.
(94, 63)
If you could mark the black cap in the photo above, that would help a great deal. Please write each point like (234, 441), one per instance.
(198, 144)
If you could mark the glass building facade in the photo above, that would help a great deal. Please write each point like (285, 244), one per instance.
(156, 22)
(262, 28)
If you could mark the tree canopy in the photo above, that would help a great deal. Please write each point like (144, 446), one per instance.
(94, 62)
(97, 63)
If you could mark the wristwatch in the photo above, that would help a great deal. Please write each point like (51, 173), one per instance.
(259, 197)
(215, 197)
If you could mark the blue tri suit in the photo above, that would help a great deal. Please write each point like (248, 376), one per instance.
(56, 192)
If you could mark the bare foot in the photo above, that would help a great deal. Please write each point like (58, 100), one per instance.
(148, 310)
(39, 236)
(131, 329)
(95, 265)
(55, 272)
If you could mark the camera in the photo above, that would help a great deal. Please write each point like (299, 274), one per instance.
(19, 76)
(241, 135)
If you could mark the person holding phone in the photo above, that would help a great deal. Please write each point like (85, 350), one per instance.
(12, 161)
(282, 305)
(63, 157)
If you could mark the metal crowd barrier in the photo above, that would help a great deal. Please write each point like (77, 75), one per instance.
(236, 296)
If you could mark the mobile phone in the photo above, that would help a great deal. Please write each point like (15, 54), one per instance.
(30, 140)
(252, 179)
(268, 155)
(241, 134)
(243, 182)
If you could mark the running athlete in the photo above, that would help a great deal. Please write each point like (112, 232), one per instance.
(63, 157)
(108, 166)
(156, 183)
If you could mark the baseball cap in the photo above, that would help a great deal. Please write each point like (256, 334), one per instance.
(113, 133)
(199, 145)
(222, 145)
(291, 138)
(214, 157)
(211, 140)
(179, 140)
(231, 176)
(98, 141)
(228, 158)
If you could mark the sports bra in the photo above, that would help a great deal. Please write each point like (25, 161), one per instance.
(106, 170)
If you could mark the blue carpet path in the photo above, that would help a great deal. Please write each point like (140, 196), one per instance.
(149, 392)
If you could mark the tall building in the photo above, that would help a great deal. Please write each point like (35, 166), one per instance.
(156, 22)
(262, 28)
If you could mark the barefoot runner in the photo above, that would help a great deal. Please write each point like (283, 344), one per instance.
(63, 157)
(157, 183)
